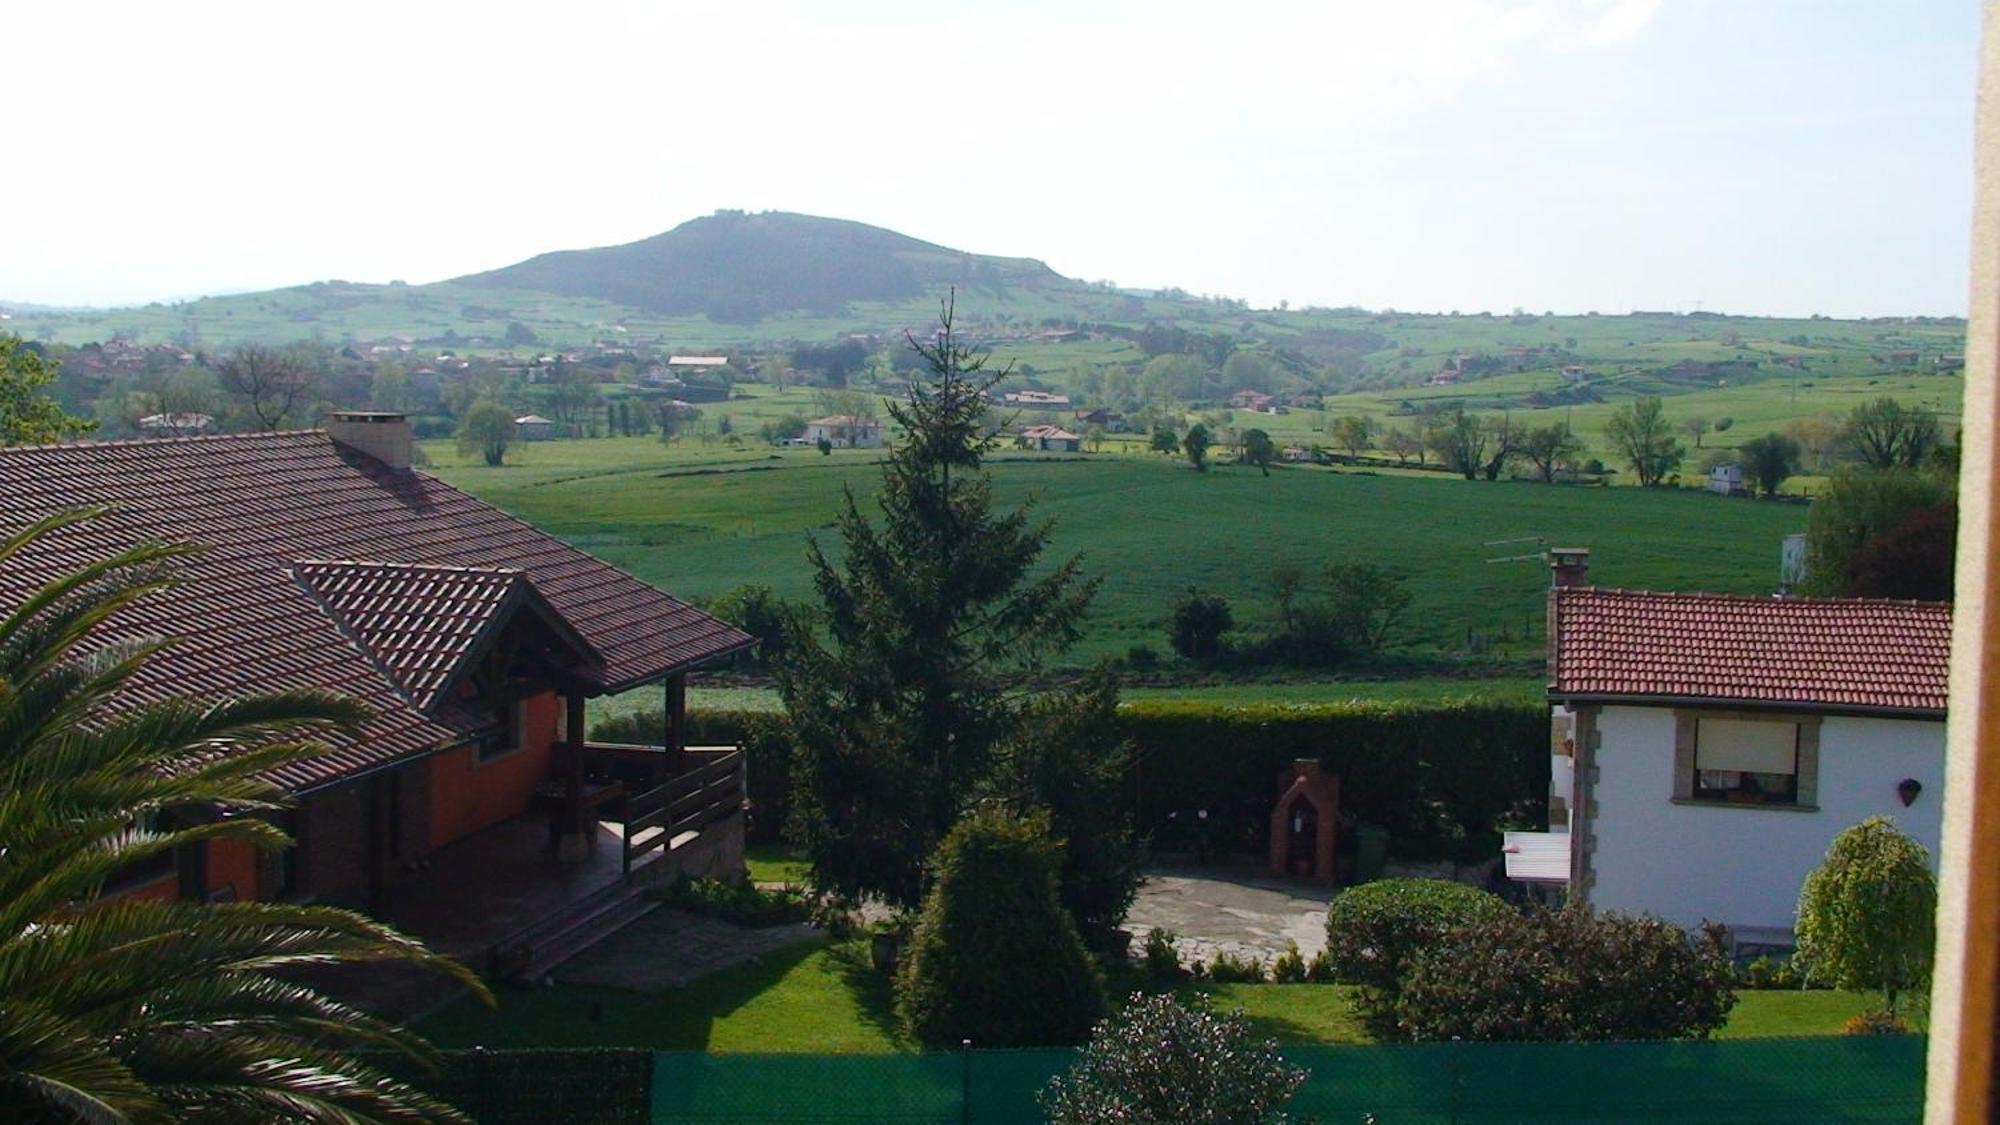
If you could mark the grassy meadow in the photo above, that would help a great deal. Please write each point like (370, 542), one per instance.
(825, 998)
(699, 522)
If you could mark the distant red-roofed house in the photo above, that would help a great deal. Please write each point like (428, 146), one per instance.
(1708, 747)
(1051, 438)
(474, 639)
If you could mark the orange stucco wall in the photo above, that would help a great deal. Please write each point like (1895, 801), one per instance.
(467, 794)
(233, 863)
(166, 888)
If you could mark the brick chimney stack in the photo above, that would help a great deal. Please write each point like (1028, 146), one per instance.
(385, 437)
(1569, 566)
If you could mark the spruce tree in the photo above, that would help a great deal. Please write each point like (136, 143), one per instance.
(898, 706)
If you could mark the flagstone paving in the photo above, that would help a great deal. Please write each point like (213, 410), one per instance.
(668, 948)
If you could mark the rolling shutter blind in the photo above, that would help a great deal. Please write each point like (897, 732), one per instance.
(1752, 747)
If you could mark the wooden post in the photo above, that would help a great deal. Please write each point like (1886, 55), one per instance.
(677, 722)
(575, 840)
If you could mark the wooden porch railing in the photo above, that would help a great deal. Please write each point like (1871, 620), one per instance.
(709, 792)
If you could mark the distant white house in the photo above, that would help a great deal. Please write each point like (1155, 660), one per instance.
(534, 427)
(180, 424)
(1037, 400)
(844, 431)
(1728, 480)
(697, 362)
(1708, 747)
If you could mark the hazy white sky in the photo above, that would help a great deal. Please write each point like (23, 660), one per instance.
(1739, 155)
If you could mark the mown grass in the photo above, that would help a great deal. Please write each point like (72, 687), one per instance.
(826, 998)
(1151, 529)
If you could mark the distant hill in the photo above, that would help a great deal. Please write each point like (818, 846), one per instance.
(739, 268)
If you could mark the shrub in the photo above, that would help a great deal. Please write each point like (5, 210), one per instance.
(1565, 975)
(1374, 929)
(1231, 969)
(1866, 914)
(1159, 1060)
(1163, 956)
(1141, 658)
(995, 958)
(1197, 624)
(1290, 966)
(741, 903)
(1875, 1023)
(1320, 969)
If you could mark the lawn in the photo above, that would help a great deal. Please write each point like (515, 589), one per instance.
(1150, 529)
(825, 998)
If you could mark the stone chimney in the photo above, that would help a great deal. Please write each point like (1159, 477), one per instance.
(1569, 566)
(385, 437)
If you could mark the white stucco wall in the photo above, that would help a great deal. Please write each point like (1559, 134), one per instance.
(1743, 864)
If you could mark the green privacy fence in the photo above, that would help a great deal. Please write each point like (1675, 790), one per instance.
(1820, 1081)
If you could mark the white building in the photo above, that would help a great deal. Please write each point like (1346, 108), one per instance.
(1728, 480)
(844, 431)
(182, 424)
(1709, 746)
(534, 427)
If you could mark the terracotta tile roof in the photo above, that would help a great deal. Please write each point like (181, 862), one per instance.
(255, 613)
(1826, 653)
(421, 622)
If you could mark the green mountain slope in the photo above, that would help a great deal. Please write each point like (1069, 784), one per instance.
(738, 267)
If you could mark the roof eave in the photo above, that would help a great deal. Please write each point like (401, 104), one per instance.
(1735, 703)
(653, 676)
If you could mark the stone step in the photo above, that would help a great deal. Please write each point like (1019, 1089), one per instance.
(589, 928)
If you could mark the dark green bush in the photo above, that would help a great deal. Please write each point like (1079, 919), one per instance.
(995, 958)
(1162, 957)
(1159, 1060)
(1565, 975)
(741, 903)
(1374, 929)
(1231, 969)
(1290, 966)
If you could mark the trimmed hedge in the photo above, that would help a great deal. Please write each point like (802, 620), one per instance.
(532, 1087)
(1443, 776)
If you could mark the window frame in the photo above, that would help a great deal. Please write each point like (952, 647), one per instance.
(1687, 789)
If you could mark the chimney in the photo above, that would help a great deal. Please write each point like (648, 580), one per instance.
(1569, 566)
(385, 437)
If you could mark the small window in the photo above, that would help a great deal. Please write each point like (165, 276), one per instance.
(508, 732)
(1746, 762)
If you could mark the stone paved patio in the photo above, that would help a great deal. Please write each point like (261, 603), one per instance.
(1242, 910)
(668, 948)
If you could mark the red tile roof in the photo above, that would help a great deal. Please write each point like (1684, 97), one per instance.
(255, 612)
(1833, 654)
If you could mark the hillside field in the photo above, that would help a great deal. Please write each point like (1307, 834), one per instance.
(698, 523)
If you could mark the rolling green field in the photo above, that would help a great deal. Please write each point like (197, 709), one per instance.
(698, 524)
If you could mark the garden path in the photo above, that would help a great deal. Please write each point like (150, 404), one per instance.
(1242, 910)
(668, 948)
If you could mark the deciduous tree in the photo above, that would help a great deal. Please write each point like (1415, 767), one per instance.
(1866, 913)
(272, 385)
(1195, 445)
(1770, 460)
(27, 415)
(1258, 450)
(1888, 435)
(1550, 449)
(1641, 436)
(487, 431)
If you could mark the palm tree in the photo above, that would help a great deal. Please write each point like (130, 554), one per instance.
(123, 1010)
